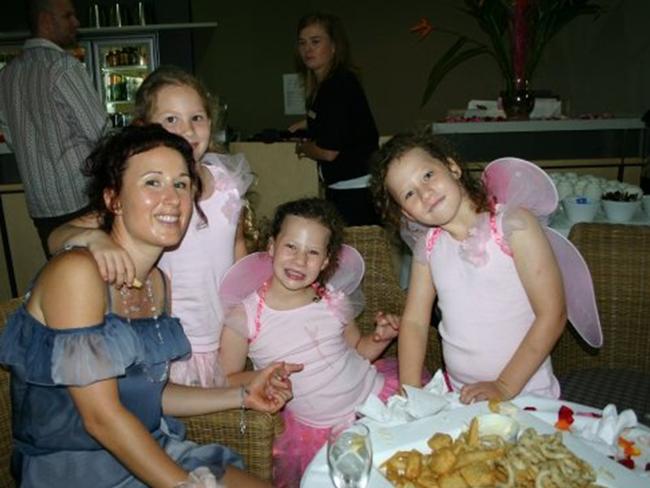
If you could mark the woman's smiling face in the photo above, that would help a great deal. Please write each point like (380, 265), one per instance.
(155, 202)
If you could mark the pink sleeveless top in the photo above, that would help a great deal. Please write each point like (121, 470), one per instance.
(485, 310)
(335, 378)
(196, 266)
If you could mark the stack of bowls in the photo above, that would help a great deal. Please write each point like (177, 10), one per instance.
(580, 209)
(620, 212)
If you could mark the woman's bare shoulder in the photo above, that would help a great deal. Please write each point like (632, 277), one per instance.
(69, 292)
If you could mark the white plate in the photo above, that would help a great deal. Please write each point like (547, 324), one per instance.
(387, 440)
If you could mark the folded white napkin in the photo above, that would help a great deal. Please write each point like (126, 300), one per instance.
(603, 433)
(418, 403)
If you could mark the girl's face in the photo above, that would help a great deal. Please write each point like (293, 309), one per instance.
(180, 109)
(299, 252)
(316, 49)
(155, 203)
(427, 190)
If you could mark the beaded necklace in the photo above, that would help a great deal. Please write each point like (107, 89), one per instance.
(133, 306)
(318, 289)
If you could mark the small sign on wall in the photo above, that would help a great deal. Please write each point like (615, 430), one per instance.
(294, 94)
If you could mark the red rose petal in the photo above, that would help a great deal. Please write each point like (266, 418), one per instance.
(627, 462)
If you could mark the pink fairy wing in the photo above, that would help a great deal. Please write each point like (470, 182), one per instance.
(518, 183)
(249, 274)
(578, 289)
(514, 183)
(244, 277)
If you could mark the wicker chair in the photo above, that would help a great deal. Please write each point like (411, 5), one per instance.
(255, 445)
(381, 287)
(618, 257)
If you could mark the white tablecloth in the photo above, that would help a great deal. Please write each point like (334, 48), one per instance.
(387, 440)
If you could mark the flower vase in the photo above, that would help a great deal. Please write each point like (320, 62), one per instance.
(517, 100)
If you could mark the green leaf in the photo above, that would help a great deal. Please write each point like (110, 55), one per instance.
(450, 60)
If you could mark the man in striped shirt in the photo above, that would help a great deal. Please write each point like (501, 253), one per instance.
(51, 116)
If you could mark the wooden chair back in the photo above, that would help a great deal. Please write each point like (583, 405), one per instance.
(381, 286)
(618, 257)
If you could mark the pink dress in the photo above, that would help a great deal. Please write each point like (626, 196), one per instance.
(335, 378)
(196, 266)
(485, 310)
(334, 381)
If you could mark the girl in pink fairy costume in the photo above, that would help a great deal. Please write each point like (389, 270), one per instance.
(297, 302)
(490, 263)
(215, 236)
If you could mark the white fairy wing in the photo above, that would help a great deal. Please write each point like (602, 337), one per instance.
(514, 183)
(414, 236)
(343, 290)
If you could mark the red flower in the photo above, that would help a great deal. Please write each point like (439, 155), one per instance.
(629, 448)
(564, 418)
(627, 462)
(422, 28)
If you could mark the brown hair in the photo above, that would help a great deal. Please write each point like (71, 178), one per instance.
(107, 163)
(437, 148)
(336, 32)
(145, 97)
(322, 212)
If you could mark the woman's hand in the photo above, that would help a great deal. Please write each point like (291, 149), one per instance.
(271, 388)
(386, 327)
(485, 390)
(301, 148)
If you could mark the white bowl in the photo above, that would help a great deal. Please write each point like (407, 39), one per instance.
(580, 209)
(497, 424)
(620, 211)
(646, 204)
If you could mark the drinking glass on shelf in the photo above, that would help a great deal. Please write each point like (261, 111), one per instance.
(95, 16)
(349, 455)
(116, 15)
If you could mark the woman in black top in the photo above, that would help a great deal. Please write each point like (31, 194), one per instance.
(342, 132)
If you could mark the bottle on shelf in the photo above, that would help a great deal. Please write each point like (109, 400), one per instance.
(142, 57)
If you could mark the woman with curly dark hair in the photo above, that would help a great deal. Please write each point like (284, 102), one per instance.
(90, 362)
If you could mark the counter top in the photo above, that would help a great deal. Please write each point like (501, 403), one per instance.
(499, 126)
(89, 32)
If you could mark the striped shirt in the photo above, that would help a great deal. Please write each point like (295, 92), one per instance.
(51, 116)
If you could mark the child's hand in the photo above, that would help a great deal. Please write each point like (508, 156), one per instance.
(115, 264)
(387, 327)
(271, 388)
(484, 390)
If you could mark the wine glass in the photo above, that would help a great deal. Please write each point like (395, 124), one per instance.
(349, 455)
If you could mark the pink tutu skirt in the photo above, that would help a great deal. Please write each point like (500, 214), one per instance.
(200, 369)
(294, 449)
